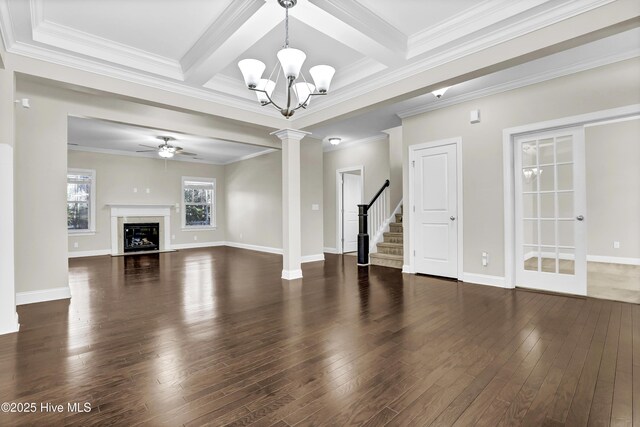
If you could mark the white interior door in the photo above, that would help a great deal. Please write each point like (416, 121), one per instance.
(351, 198)
(550, 203)
(435, 202)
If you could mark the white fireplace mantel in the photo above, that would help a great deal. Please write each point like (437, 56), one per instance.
(123, 210)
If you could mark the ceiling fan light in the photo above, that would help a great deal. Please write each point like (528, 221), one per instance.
(266, 85)
(335, 141)
(252, 70)
(166, 152)
(322, 75)
(302, 91)
(291, 61)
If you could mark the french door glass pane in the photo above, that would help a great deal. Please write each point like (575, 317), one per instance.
(565, 233)
(567, 261)
(548, 259)
(548, 232)
(531, 257)
(547, 177)
(530, 232)
(546, 151)
(565, 177)
(547, 205)
(530, 205)
(565, 205)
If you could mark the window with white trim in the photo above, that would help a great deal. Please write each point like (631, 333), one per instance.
(198, 201)
(81, 200)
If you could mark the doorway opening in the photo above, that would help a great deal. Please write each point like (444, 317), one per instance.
(350, 192)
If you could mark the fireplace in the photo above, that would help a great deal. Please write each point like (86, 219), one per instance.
(141, 237)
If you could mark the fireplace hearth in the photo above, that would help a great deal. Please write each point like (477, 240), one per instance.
(139, 237)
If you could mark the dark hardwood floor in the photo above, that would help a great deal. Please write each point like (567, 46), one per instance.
(214, 337)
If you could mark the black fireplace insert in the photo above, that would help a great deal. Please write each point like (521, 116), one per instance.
(141, 237)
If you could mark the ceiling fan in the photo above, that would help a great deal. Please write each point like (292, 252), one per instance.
(166, 150)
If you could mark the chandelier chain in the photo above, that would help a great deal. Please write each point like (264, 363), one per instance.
(286, 27)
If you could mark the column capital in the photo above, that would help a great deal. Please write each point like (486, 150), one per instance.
(294, 134)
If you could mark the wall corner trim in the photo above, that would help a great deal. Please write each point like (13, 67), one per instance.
(52, 294)
(484, 279)
(291, 274)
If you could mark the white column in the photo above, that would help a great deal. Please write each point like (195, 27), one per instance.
(8, 315)
(291, 231)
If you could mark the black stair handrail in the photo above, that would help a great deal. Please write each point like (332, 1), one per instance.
(363, 227)
(385, 185)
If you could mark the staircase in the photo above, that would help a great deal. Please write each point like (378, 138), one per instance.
(390, 250)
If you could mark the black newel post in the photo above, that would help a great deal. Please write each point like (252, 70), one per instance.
(363, 236)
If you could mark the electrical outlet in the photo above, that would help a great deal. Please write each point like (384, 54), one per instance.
(148, 190)
(485, 259)
(315, 207)
(135, 189)
(75, 244)
(616, 245)
(195, 237)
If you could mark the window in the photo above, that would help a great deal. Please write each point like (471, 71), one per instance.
(199, 202)
(81, 200)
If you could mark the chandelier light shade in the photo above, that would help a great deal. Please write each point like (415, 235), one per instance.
(322, 75)
(291, 62)
(303, 93)
(252, 70)
(267, 86)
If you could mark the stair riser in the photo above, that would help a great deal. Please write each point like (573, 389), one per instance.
(390, 239)
(386, 263)
(390, 251)
(395, 228)
(398, 217)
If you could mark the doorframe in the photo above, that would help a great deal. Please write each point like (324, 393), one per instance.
(508, 163)
(339, 172)
(457, 141)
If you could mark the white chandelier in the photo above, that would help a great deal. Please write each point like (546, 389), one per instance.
(291, 61)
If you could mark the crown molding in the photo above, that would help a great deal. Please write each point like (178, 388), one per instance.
(361, 18)
(220, 30)
(519, 83)
(252, 156)
(63, 37)
(524, 25)
(352, 144)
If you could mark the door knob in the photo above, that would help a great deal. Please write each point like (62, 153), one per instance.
(452, 218)
(580, 218)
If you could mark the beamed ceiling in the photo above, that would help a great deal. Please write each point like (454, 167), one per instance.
(192, 46)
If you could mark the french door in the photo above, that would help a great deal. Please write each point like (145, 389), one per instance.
(549, 211)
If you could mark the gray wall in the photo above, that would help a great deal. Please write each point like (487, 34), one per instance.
(613, 189)
(598, 89)
(254, 199)
(116, 177)
(395, 165)
(374, 156)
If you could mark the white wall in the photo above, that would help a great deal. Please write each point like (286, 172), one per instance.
(117, 176)
(598, 89)
(613, 189)
(254, 200)
(395, 165)
(374, 156)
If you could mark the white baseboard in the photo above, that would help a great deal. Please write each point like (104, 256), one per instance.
(43, 295)
(291, 274)
(82, 254)
(196, 245)
(483, 279)
(11, 326)
(330, 250)
(406, 268)
(254, 247)
(313, 258)
(613, 259)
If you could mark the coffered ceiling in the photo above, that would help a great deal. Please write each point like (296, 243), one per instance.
(193, 46)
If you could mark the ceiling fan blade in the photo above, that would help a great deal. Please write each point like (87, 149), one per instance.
(149, 146)
(185, 153)
(145, 151)
(72, 143)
